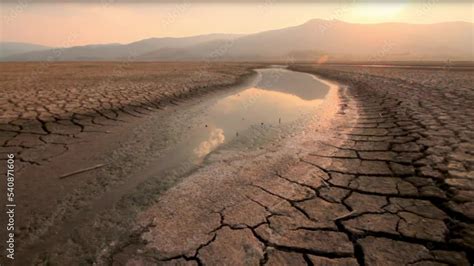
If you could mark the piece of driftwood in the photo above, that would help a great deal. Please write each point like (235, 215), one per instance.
(82, 171)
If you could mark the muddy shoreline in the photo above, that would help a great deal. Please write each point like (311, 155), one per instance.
(70, 149)
(75, 210)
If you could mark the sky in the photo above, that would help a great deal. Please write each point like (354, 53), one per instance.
(106, 21)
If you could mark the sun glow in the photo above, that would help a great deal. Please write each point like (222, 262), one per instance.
(371, 12)
(118, 22)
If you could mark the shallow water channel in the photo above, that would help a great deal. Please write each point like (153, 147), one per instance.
(276, 99)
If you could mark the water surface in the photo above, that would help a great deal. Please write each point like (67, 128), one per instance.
(277, 97)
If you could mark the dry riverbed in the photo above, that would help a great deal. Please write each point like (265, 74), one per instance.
(386, 180)
(379, 173)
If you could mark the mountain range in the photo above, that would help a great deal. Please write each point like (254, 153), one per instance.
(313, 40)
(14, 48)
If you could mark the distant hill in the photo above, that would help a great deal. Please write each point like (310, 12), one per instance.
(315, 39)
(12, 48)
(115, 51)
(340, 40)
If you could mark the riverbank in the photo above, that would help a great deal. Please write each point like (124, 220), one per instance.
(102, 107)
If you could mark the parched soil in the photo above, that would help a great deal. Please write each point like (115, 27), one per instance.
(60, 118)
(411, 151)
(50, 103)
(389, 183)
(384, 177)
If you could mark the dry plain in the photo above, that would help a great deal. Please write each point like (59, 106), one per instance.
(384, 178)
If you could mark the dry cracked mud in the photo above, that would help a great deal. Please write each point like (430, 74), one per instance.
(385, 177)
(391, 184)
(53, 103)
(58, 118)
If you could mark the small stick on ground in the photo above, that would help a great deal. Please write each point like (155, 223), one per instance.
(82, 171)
(347, 215)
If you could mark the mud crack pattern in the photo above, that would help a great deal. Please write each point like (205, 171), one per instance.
(393, 186)
(46, 106)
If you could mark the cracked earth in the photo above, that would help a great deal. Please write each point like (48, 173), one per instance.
(53, 103)
(58, 118)
(384, 177)
(390, 184)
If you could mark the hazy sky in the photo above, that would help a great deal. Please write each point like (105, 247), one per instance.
(108, 22)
